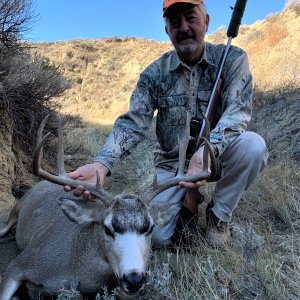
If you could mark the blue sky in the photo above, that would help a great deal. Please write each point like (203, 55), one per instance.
(95, 19)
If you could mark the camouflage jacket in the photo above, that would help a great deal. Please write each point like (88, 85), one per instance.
(170, 87)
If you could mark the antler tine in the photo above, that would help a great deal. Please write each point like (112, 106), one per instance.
(156, 188)
(206, 133)
(209, 153)
(41, 129)
(205, 139)
(95, 190)
(38, 154)
(60, 153)
(182, 146)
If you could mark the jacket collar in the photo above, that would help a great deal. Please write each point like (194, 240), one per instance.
(206, 57)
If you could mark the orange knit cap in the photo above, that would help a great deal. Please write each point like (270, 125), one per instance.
(168, 3)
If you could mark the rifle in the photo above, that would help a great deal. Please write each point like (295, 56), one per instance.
(214, 100)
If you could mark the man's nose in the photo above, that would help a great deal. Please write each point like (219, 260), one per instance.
(184, 26)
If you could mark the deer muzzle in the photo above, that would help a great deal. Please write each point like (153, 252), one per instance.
(133, 282)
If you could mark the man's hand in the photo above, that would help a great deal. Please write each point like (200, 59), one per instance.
(195, 166)
(87, 174)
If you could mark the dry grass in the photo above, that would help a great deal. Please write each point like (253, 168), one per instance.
(270, 37)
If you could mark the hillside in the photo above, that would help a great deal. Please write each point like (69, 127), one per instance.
(263, 261)
(104, 72)
(273, 48)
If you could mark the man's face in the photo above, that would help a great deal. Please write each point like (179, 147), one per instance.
(186, 26)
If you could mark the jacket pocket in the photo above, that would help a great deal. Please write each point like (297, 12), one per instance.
(204, 96)
(172, 110)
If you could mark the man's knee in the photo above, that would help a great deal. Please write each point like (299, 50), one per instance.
(252, 147)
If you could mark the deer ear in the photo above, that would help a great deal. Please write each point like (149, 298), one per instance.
(162, 213)
(80, 213)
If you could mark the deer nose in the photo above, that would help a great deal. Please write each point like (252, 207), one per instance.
(134, 281)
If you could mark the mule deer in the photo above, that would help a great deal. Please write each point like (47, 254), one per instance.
(89, 244)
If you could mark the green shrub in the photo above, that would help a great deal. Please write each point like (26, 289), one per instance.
(29, 84)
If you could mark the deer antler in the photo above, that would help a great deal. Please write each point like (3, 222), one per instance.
(156, 188)
(63, 178)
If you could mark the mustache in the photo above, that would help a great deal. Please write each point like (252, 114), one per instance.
(185, 36)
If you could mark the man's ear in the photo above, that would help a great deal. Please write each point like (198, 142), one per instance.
(166, 30)
(207, 19)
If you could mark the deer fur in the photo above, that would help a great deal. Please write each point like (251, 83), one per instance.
(66, 240)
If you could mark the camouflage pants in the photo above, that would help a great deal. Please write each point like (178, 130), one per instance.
(240, 164)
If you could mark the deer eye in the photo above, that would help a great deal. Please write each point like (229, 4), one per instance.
(147, 230)
(150, 230)
(108, 231)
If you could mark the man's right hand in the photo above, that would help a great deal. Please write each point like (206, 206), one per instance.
(87, 174)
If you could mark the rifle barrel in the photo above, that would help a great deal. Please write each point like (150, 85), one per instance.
(212, 96)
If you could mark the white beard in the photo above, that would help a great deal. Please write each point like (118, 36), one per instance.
(187, 47)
